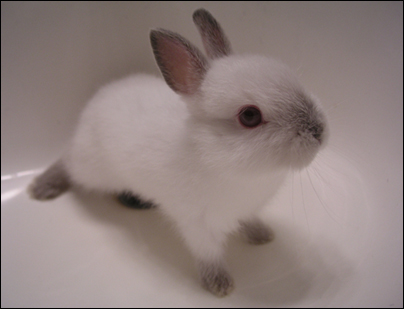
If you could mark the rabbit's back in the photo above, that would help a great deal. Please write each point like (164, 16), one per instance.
(130, 124)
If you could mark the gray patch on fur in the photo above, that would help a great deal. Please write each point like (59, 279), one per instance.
(53, 182)
(256, 232)
(134, 201)
(215, 278)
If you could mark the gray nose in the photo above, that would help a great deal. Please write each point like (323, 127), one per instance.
(317, 131)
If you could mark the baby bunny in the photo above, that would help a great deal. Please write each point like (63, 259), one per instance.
(210, 149)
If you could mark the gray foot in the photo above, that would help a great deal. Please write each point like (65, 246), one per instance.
(216, 279)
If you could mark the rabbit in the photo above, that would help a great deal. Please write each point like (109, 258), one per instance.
(209, 144)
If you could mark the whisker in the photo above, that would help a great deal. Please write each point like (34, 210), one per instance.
(329, 212)
(292, 196)
(304, 204)
(351, 158)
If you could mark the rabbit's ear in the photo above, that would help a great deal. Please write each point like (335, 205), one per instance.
(214, 40)
(183, 66)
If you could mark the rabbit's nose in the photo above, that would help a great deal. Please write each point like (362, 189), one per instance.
(317, 131)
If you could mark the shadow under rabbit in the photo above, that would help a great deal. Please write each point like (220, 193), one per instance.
(273, 274)
(289, 270)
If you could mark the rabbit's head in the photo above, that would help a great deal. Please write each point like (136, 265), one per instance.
(245, 111)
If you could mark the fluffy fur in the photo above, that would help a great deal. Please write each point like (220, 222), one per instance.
(184, 149)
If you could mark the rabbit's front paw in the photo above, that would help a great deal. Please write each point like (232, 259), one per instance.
(216, 279)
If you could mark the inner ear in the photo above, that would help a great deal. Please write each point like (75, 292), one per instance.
(183, 66)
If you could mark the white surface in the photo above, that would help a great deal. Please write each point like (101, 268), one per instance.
(339, 225)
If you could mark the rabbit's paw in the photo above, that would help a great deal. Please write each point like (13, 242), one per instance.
(216, 279)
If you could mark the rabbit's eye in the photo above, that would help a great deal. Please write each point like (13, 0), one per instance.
(250, 116)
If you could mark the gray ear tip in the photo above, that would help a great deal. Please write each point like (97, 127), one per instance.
(198, 12)
(154, 33)
(159, 33)
(201, 13)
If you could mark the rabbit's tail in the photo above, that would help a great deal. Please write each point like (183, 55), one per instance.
(50, 184)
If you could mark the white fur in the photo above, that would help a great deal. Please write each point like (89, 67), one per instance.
(137, 134)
